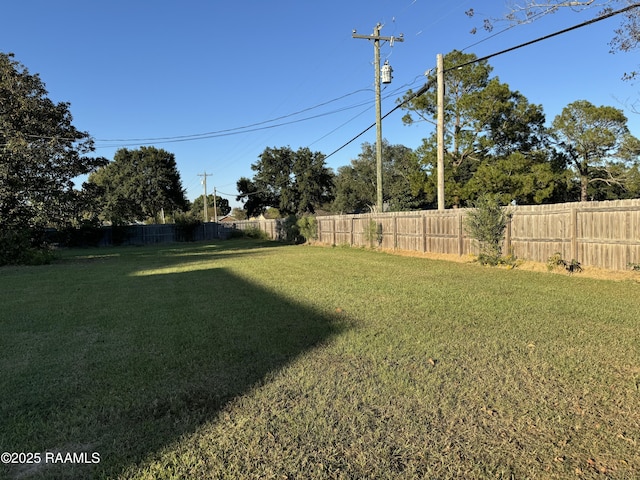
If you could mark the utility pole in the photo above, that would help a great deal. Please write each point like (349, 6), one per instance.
(204, 183)
(376, 48)
(440, 129)
(215, 205)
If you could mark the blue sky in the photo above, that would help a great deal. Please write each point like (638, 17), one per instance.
(139, 71)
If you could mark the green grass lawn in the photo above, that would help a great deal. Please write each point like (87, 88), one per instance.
(247, 359)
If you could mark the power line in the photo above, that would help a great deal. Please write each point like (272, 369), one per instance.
(477, 60)
(126, 142)
(197, 136)
(546, 37)
(416, 94)
(529, 20)
(239, 132)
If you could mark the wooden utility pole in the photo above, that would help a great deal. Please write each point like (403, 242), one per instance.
(440, 130)
(215, 205)
(376, 65)
(204, 183)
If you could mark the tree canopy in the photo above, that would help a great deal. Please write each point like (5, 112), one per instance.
(402, 183)
(41, 152)
(495, 140)
(139, 184)
(221, 204)
(293, 182)
(594, 139)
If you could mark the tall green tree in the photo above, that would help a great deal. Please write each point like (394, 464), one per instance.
(595, 140)
(464, 118)
(293, 182)
(139, 185)
(221, 204)
(402, 180)
(495, 139)
(41, 152)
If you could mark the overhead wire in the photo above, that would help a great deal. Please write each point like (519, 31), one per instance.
(197, 136)
(504, 30)
(546, 37)
(429, 83)
(486, 57)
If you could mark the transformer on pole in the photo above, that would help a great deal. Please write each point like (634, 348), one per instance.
(385, 73)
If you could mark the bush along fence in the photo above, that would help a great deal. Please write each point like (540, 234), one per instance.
(598, 234)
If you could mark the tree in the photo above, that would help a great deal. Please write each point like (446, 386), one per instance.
(293, 182)
(521, 178)
(595, 139)
(402, 182)
(139, 185)
(463, 127)
(222, 205)
(489, 129)
(626, 36)
(41, 152)
(239, 213)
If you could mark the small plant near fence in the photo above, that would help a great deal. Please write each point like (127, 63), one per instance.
(308, 227)
(373, 233)
(287, 230)
(256, 233)
(487, 223)
(556, 261)
(634, 266)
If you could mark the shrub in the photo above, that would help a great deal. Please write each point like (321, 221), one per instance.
(256, 233)
(308, 227)
(24, 246)
(88, 234)
(556, 260)
(373, 233)
(634, 266)
(287, 230)
(486, 223)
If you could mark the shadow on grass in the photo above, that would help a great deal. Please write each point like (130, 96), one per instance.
(168, 253)
(159, 357)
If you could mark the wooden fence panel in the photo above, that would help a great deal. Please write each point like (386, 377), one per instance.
(538, 233)
(409, 232)
(600, 234)
(608, 238)
(325, 230)
(342, 228)
(445, 233)
(360, 227)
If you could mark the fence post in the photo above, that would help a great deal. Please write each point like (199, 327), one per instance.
(334, 231)
(395, 232)
(352, 236)
(460, 233)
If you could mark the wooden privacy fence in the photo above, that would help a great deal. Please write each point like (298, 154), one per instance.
(598, 234)
(169, 233)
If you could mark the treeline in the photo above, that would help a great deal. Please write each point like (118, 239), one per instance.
(496, 142)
